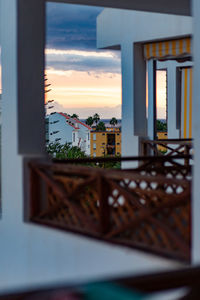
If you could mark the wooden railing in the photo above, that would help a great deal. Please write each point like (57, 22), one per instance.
(169, 147)
(146, 208)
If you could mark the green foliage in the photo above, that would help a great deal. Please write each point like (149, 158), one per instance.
(112, 165)
(161, 126)
(89, 121)
(74, 116)
(107, 164)
(101, 127)
(56, 150)
(113, 121)
(163, 151)
(96, 118)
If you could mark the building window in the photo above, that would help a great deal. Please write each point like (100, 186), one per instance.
(94, 137)
(94, 146)
(118, 143)
(103, 133)
(103, 143)
(88, 136)
(73, 137)
(117, 133)
(94, 154)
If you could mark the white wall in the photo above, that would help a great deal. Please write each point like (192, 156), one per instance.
(63, 128)
(116, 26)
(87, 144)
(81, 139)
(34, 255)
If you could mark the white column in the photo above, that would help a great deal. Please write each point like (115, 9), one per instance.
(11, 162)
(23, 130)
(151, 99)
(173, 132)
(31, 40)
(129, 141)
(196, 135)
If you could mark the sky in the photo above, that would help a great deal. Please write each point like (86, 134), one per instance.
(83, 80)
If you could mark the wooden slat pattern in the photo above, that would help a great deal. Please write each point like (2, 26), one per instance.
(147, 208)
(172, 146)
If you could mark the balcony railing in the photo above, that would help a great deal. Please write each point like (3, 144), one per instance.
(167, 147)
(147, 208)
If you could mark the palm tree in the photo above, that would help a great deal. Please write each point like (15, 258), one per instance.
(74, 116)
(113, 121)
(101, 127)
(96, 118)
(89, 121)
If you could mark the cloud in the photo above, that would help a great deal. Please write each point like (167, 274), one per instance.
(105, 112)
(82, 77)
(161, 112)
(87, 61)
(71, 26)
(71, 40)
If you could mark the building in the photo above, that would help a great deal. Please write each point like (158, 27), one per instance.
(60, 128)
(105, 143)
(64, 129)
(33, 255)
(81, 138)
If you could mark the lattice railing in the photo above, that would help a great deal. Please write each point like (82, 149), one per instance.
(142, 208)
(170, 147)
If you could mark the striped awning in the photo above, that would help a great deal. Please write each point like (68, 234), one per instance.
(186, 103)
(173, 49)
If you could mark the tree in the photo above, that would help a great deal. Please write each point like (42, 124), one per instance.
(89, 121)
(56, 150)
(101, 127)
(96, 118)
(74, 116)
(113, 121)
(161, 126)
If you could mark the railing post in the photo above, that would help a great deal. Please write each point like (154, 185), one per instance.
(186, 152)
(103, 191)
(34, 193)
(144, 148)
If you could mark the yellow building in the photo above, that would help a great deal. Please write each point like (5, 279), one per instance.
(104, 143)
(161, 135)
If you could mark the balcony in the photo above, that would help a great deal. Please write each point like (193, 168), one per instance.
(168, 147)
(147, 208)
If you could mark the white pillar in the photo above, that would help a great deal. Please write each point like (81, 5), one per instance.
(23, 130)
(31, 42)
(196, 135)
(173, 132)
(172, 85)
(133, 99)
(151, 100)
(129, 141)
(11, 162)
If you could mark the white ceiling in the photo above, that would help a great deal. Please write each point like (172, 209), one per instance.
(179, 7)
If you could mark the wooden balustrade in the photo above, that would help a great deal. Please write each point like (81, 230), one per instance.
(146, 208)
(171, 146)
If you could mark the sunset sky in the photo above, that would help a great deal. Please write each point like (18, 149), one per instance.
(84, 80)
